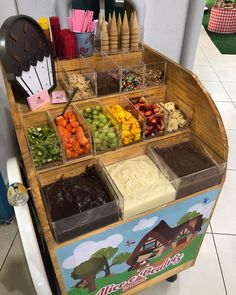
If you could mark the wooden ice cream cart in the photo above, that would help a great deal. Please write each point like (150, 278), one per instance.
(128, 264)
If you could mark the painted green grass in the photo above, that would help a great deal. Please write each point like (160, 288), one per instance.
(226, 43)
(189, 254)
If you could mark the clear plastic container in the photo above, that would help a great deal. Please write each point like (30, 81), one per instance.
(81, 75)
(155, 74)
(140, 182)
(105, 129)
(78, 144)
(132, 123)
(73, 224)
(195, 164)
(132, 72)
(108, 75)
(155, 115)
(46, 151)
(180, 115)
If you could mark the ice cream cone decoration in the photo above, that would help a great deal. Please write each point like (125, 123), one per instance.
(134, 33)
(125, 33)
(104, 37)
(113, 34)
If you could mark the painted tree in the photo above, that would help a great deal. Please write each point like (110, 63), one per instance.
(188, 216)
(88, 270)
(107, 254)
(98, 262)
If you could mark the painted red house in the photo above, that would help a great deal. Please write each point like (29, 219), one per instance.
(162, 237)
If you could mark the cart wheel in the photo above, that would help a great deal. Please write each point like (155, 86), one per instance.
(172, 279)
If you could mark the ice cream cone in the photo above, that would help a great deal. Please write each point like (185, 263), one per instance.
(134, 24)
(125, 33)
(125, 25)
(99, 26)
(134, 31)
(119, 25)
(113, 34)
(131, 18)
(109, 22)
(104, 37)
(113, 25)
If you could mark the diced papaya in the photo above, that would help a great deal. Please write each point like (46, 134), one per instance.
(72, 118)
(68, 145)
(69, 127)
(74, 154)
(79, 129)
(59, 120)
(83, 140)
(76, 146)
(74, 124)
(65, 116)
(81, 151)
(68, 154)
(88, 147)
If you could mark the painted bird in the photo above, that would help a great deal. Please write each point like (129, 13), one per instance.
(129, 243)
(205, 200)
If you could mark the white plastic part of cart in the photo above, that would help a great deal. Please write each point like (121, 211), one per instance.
(28, 236)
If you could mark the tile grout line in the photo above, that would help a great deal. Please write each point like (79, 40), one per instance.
(217, 75)
(218, 258)
(13, 240)
(224, 234)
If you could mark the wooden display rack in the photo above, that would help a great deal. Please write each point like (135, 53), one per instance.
(206, 124)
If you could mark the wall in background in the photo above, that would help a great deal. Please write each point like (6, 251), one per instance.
(37, 8)
(8, 142)
(164, 25)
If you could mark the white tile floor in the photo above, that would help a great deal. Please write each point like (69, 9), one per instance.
(215, 269)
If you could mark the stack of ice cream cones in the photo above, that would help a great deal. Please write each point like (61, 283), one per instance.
(119, 27)
(104, 37)
(134, 32)
(113, 34)
(125, 34)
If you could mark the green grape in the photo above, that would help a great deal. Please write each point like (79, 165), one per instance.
(97, 108)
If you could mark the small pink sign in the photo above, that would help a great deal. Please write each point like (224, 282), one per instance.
(39, 99)
(58, 96)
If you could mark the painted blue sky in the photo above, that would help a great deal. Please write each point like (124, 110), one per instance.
(125, 232)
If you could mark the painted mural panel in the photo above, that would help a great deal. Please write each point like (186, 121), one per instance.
(120, 258)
